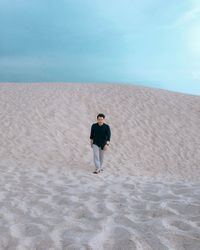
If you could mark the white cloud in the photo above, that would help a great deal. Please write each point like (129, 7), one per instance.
(189, 25)
(194, 40)
(189, 16)
(185, 19)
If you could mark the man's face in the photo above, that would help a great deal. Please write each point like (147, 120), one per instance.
(100, 120)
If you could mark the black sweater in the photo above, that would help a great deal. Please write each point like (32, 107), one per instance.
(100, 134)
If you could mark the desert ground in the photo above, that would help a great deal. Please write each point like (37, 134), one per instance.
(148, 196)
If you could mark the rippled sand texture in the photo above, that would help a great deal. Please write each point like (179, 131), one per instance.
(148, 196)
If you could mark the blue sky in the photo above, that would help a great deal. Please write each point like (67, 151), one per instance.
(149, 42)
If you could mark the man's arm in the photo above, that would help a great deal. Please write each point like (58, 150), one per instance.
(91, 135)
(108, 135)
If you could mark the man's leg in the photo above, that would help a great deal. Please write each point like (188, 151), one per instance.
(101, 157)
(96, 157)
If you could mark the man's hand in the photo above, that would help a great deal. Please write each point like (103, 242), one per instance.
(105, 147)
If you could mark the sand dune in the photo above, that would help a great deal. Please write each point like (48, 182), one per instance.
(148, 197)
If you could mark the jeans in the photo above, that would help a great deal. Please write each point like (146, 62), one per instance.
(98, 154)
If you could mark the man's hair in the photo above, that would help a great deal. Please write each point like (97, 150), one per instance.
(100, 115)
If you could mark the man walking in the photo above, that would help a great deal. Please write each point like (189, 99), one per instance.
(99, 138)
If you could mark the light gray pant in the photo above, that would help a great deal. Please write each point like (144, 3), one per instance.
(98, 157)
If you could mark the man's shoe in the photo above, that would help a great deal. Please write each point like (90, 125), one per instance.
(96, 172)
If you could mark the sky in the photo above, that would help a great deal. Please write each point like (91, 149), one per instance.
(154, 43)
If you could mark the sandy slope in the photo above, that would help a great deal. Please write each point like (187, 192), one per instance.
(148, 197)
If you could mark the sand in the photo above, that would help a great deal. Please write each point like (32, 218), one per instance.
(148, 196)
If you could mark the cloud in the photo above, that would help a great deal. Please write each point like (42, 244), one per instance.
(194, 40)
(187, 24)
(189, 16)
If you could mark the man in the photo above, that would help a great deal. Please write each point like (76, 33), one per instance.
(99, 138)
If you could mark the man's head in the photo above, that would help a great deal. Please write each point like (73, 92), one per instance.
(100, 119)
